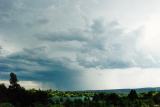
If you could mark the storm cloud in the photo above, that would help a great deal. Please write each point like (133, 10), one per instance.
(57, 42)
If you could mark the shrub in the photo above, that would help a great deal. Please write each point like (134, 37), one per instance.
(6, 105)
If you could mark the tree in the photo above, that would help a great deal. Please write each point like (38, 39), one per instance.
(6, 105)
(13, 81)
(3, 93)
(16, 93)
(156, 98)
(132, 95)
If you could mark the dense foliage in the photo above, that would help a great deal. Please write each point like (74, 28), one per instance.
(17, 96)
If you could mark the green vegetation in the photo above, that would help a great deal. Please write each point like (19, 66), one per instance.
(17, 96)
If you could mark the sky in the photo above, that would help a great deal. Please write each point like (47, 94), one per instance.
(80, 44)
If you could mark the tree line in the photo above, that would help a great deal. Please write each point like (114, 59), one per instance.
(17, 96)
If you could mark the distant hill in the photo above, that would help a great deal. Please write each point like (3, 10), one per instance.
(139, 90)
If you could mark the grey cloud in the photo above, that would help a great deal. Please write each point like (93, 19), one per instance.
(55, 41)
(66, 29)
(64, 36)
(98, 26)
(111, 47)
(6, 5)
(103, 45)
(30, 65)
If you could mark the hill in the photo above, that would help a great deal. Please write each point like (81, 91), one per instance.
(138, 90)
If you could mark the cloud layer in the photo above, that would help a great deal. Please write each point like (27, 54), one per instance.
(56, 42)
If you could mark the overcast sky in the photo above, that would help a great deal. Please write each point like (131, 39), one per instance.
(80, 44)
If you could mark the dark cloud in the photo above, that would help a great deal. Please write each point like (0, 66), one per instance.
(6, 5)
(105, 63)
(30, 65)
(63, 36)
(71, 37)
